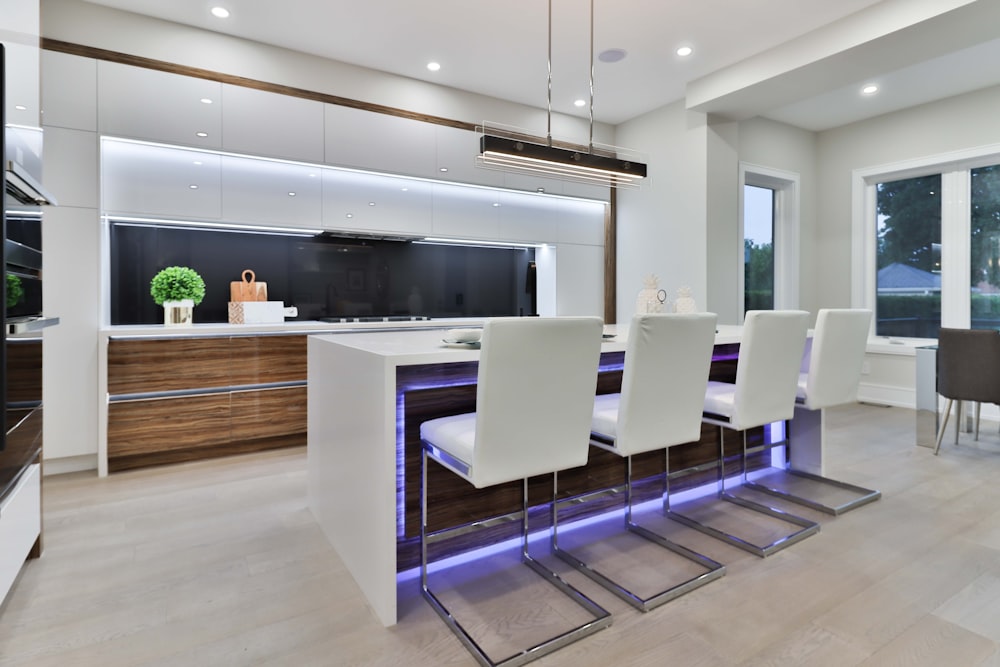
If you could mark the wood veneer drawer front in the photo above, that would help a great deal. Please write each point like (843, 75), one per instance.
(140, 366)
(268, 413)
(164, 424)
(263, 359)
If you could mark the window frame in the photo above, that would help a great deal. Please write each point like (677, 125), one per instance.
(786, 187)
(955, 168)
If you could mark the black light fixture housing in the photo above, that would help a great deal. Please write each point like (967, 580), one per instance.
(510, 149)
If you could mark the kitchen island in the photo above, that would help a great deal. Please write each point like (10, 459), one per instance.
(368, 393)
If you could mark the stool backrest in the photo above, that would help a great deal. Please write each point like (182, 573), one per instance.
(838, 351)
(967, 364)
(537, 378)
(663, 384)
(767, 372)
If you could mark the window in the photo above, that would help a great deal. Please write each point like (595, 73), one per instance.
(908, 281)
(758, 248)
(769, 238)
(926, 243)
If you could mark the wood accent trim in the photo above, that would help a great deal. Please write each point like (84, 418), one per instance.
(611, 259)
(211, 75)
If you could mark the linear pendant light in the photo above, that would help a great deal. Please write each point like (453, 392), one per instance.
(515, 150)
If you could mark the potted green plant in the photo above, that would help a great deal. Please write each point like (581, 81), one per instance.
(15, 291)
(178, 289)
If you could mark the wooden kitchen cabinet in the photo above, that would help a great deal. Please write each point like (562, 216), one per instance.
(186, 398)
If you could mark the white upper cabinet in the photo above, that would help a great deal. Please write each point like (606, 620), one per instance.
(379, 142)
(71, 166)
(144, 180)
(19, 34)
(69, 91)
(456, 151)
(263, 123)
(354, 201)
(269, 192)
(581, 222)
(146, 104)
(466, 213)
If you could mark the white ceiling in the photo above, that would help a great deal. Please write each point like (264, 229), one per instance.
(815, 53)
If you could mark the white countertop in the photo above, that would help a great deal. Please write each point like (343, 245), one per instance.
(291, 327)
(404, 348)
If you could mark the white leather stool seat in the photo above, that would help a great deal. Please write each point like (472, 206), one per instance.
(720, 398)
(800, 392)
(604, 421)
(455, 436)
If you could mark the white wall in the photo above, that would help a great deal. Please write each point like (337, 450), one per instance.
(661, 227)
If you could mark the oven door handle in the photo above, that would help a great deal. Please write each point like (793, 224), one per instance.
(30, 325)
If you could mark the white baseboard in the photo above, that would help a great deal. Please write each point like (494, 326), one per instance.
(898, 397)
(68, 464)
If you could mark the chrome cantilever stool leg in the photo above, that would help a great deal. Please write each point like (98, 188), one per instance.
(807, 420)
(713, 569)
(602, 618)
(806, 527)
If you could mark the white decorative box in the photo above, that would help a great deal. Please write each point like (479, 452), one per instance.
(257, 312)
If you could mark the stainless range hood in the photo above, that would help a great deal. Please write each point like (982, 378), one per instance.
(23, 187)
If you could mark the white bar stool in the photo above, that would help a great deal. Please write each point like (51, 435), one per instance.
(766, 379)
(534, 399)
(667, 360)
(832, 374)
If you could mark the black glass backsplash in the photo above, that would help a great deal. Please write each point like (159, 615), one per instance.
(324, 277)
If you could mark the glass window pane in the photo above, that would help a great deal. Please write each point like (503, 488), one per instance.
(908, 295)
(984, 247)
(758, 248)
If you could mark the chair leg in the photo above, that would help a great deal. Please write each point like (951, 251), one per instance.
(958, 419)
(601, 617)
(944, 424)
(713, 569)
(861, 495)
(978, 406)
(805, 526)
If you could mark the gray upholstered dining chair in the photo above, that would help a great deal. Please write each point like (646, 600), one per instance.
(830, 376)
(767, 372)
(967, 363)
(534, 398)
(667, 359)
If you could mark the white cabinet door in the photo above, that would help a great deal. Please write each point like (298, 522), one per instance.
(525, 217)
(19, 29)
(69, 91)
(71, 166)
(139, 179)
(581, 222)
(379, 142)
(466, 213)
(580, 280)
(262, 123)
(456, 151)
(269, 192)
(147, 104)
(369, 202)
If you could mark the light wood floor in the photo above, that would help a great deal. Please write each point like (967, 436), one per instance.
(221, 563)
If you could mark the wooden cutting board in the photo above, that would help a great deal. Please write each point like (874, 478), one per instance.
(248, 289)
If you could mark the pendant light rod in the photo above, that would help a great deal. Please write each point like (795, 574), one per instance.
(590, 145)
(548, 132)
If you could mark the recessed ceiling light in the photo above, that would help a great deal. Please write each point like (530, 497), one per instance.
(612, 55)
(870, 89)
(291, 194)
(685, 51)
(201, 134)
(405, 189)
(371, 203)
(432, 66)
(443, 170)
(205, 100)
(350, 215)
(220, 12)
(193, 186)
(496, 204)
(20, 107)
(579, 103)
(197, 163)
